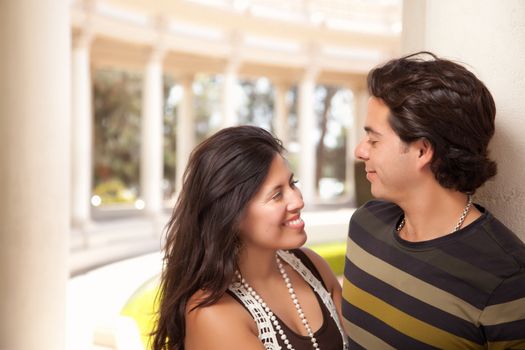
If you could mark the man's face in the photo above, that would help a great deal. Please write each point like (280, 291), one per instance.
(390, 163)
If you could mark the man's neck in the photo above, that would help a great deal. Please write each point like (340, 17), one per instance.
(434, 214)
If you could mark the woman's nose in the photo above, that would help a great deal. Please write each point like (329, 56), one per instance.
(296, 200)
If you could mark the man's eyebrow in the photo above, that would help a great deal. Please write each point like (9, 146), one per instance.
(370, 130)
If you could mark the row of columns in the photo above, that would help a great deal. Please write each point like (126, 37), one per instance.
(151, 165)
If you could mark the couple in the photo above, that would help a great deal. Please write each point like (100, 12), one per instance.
(425, 267)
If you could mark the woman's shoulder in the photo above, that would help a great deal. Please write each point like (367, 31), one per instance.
(223, 322)
(225, 307)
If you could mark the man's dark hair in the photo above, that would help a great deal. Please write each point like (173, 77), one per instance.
(440, 101)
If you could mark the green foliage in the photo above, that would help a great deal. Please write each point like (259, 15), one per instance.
(117, 111)
(206, 105)
(117, 99)
(257, 103)
(333, 109)
(169, 132)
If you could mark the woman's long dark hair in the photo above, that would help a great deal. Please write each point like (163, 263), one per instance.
(224, 172)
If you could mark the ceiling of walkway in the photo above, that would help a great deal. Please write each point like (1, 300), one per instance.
(335, 36)
(365, 16)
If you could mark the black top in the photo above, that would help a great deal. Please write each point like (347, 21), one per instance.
(328, 335)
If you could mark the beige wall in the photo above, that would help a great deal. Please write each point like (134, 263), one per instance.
(489, 36)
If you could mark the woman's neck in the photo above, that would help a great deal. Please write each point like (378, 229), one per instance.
(257, 264)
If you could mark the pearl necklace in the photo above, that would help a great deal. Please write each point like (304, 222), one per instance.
(273, 318)
(458, 225)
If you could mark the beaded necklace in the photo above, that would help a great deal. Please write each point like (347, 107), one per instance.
(260, 313)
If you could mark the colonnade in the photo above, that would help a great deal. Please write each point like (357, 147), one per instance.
(151, 166)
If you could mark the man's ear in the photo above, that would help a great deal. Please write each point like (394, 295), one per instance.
(425, 152)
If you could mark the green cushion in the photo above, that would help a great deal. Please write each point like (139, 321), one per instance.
(333, 253)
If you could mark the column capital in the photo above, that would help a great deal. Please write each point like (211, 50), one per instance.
(82, 39)
(236, 39)
(158, 49)
(281, 84)
(155, 54)
(312, 70)
(185, 78)
(311, 73)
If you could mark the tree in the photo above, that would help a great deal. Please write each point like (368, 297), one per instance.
(330, 92)
(117, 100)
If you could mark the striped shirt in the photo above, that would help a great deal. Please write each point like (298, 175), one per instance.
(465, 290)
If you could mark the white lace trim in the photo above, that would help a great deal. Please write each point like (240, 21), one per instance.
(263, 320)
(267, 333)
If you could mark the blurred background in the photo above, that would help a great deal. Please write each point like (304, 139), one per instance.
(102, 101)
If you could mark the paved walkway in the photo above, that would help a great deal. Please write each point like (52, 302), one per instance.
(96, 298)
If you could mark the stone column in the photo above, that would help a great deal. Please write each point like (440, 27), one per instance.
(151, 162)
(488, 36)
(35, 131)
(82, 131)
(280, 112)
(358, 185)
(185, 129)
(360, 110)
(307, 136)
(229, 105)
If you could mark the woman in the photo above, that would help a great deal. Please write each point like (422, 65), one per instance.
(228, 281)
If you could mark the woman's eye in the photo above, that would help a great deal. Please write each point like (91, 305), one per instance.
(372, 142)
(277, 196)
(293, 183)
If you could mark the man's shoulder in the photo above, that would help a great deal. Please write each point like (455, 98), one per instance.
(375, 216)
(378, 208)
(509, 245)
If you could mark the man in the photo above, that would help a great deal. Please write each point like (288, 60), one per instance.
(425, 267)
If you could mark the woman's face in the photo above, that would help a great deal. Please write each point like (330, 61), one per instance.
(272, 219)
